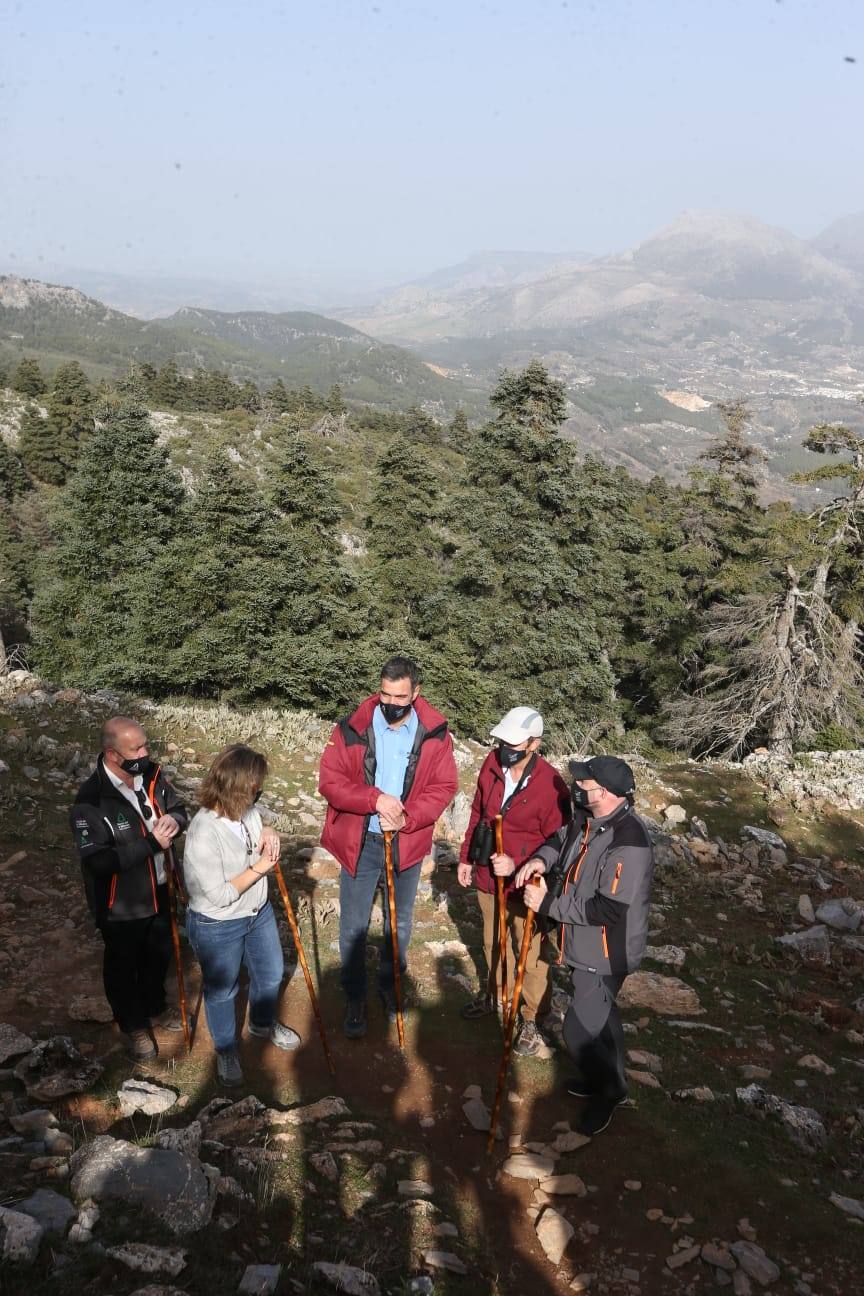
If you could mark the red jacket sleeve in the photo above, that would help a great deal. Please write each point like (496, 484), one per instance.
(338, 783)
(427, 804)
(474, 819)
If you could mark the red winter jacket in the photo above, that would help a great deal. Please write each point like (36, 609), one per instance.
(535, 812)
(347, 782)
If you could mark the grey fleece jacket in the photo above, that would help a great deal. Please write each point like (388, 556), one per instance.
(605, 868)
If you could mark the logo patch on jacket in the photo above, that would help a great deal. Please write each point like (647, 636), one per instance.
(122, 822)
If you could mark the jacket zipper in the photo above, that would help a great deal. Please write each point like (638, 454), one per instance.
(605, 946)
(570, 880)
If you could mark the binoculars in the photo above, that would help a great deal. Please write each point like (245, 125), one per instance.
(482, 845)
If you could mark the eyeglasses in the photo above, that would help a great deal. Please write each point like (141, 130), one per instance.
(146, 810)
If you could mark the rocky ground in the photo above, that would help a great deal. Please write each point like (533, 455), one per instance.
(738, 1161)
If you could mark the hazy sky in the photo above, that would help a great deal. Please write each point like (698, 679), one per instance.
(251, 140)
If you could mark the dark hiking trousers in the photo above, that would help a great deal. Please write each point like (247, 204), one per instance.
(593, 1032)
(137, 954)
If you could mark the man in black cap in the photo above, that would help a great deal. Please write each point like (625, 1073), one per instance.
(599, 870)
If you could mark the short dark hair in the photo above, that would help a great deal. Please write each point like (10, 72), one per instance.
(401, 668)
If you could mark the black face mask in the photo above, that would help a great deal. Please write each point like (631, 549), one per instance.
(136, 766)
(509, 756)
(579, 797)
(392, 712)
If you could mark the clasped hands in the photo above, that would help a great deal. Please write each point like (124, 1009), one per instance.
(165, 829)
(391, 813)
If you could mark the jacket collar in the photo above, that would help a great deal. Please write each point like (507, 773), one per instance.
(430, 719)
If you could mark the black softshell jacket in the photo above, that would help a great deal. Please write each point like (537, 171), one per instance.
(116, 849)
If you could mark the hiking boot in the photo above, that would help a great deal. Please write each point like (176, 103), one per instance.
(530, 1041)
(599, 1110)
(140, 1046)
(579, 1087)
(482, 1005)
(282, 1036)
(168, 1020)
(228, 1069)
(354, 1024)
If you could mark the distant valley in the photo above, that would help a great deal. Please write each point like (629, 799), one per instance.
(714, 307)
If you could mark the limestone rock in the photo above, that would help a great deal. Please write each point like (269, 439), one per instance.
(642, 1058)
(813, 1063)
(669, 996)
(843, 914)
(696, 1093)
(670, 955)
(569, 1141)
(812, 943)
(316, 1111)
(259, 1280)
(849, 1205)
(553, 1233)
(415, 1188)
(564, 1185)
(55, 1068)
(803, 1125)
(49, 1209)
(754, 1262)
(90, 1008)
(444, 1260)
(806, 910)
(149, 1259)
(763, 837)
(674, 814)
(142, 1096)
(645, 1078)
(325, 1164)
(528, 1165)
(685, 1256)
(13, 1042)
(170, 1185)
(718, 1254)
(20, 1236)
(347, 1278)
(478, 1113)
(35, 1122)
(186, 1139)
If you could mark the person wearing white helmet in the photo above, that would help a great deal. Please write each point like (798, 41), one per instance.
(534, 802)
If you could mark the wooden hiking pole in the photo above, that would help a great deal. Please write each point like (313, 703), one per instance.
(510, 1022)
(502, 915)
(295, 932)
(175, 940)
(394, 934)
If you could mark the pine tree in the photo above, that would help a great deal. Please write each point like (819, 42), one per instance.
(28, 379)
(459, 430)
(45, 450)
(169, 389)
(105, 611)
(70, 414)
(279, 397)
(248, 397)
(14, 479)
(530, 620)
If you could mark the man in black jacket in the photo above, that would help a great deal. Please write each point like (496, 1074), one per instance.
(124, 819)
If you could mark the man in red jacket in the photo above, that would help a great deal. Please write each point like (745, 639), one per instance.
(534, 802)
(389, 767)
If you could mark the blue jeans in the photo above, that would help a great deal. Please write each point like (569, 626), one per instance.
(356, 895)
(221, 947)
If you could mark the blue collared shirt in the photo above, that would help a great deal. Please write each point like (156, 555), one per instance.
(392, 749)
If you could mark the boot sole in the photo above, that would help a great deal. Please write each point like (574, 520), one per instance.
(600, 1128)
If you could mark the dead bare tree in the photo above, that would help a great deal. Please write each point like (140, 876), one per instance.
(782, 666)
